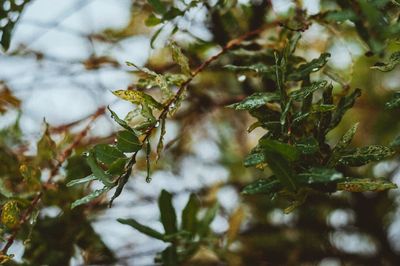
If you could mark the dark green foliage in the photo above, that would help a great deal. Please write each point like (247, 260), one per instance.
(185, 239)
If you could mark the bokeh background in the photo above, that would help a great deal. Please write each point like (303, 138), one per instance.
(66, 57)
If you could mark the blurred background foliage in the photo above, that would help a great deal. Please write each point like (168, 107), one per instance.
(200, 174)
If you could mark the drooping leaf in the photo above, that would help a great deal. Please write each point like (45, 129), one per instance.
(107, 154)
(362, 185)
(289, 152)
(317, 175)
(394, 102)
(364, 155)
(142, 228)
(189, 214)
(263, 186)
(88, 198)
(121, 122)
(127, 141)
(180, 59)
(138, 97)
(148, 151)
(255, 100)
(306, 69)
(167, 212)
(307, 145)
(393, 61)
(81, 180)
(160, 144)
(304, 92)
(97, 171)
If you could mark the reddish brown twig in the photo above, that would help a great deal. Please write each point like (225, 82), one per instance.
(62, 158)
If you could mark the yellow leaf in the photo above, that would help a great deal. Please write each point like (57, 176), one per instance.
(234, 224)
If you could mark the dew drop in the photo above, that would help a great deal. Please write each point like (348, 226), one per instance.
(148, 179)
(85, 154)
(148, 86)
(241, 78)
(157, 124)
(171, 106)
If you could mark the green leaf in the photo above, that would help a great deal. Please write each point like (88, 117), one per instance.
(169, 256)
(361, 185)
(307, 145)
(288, 152)
(81, 180)
(142, 228)
(10, 214)
(340, 15)
(117, 167)
(304, 92)
(263, 186)
(258, 68)
(306, 69)
(322, 108)
(127, 141)
(344, 104)
(121, 122)
(255, 100)
(148, 151)
(46, 147)
(317, 175)
(97, 171)
(7, 28)
(204, 226)
(88, 198)
(394, 102)
(158, 6)
(344, 142)
(138, 97)
(364, 155)
(394, 60)
(154, 37)
(180, 59)
(152, 21)
(281, 168)
(167, 212)
(107, 154)
(189, 214)
(160, 144)
(254, 158)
